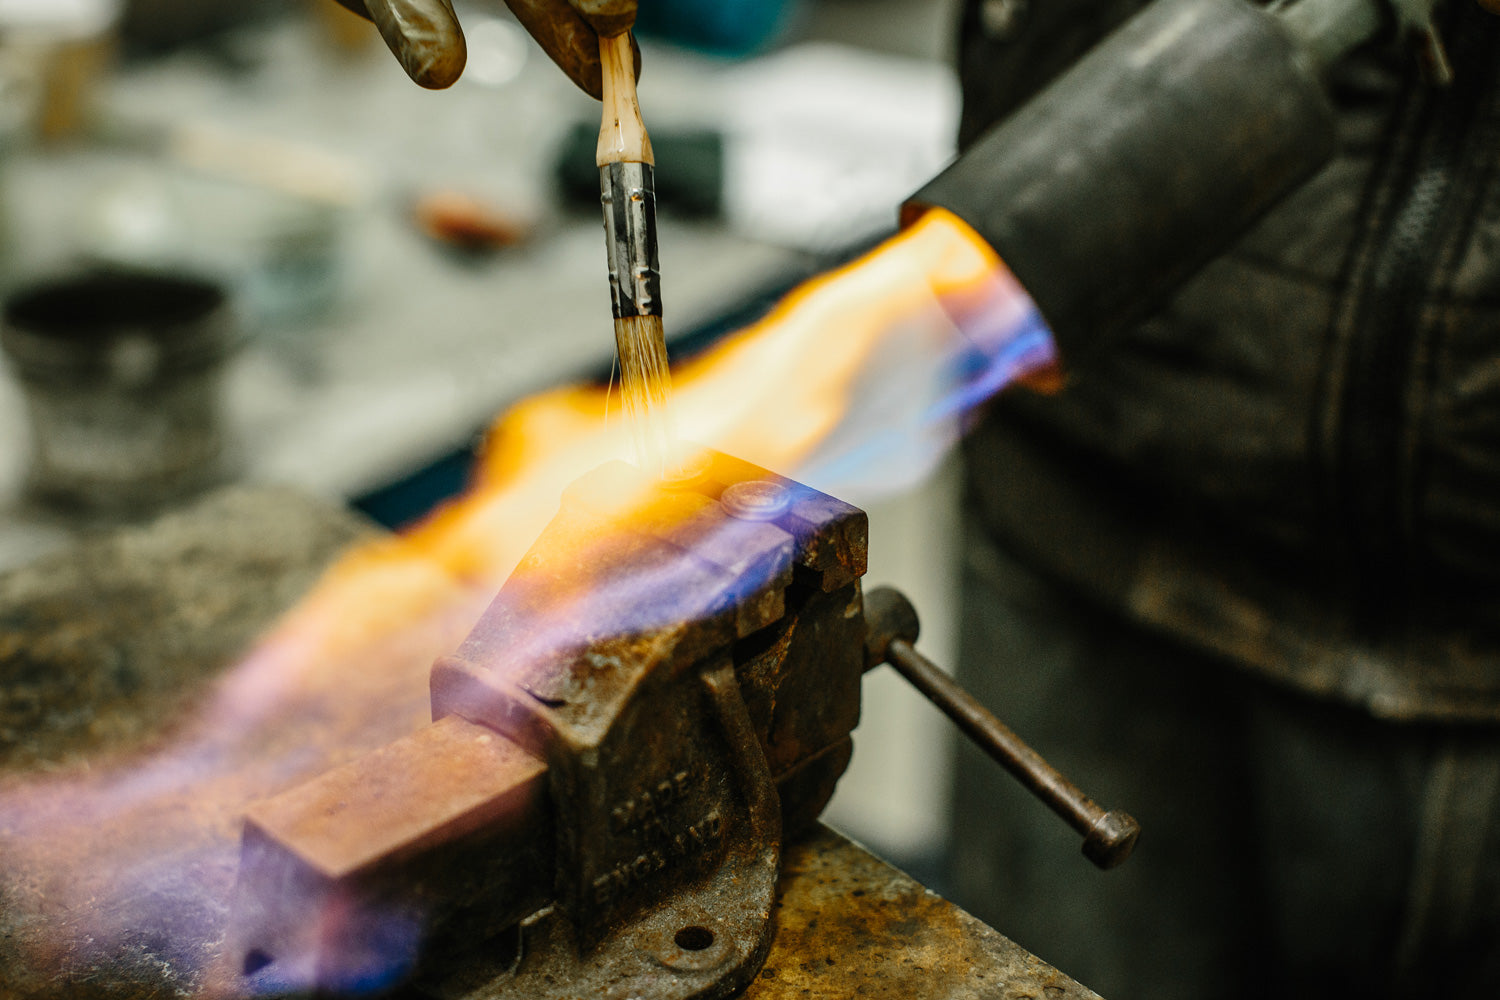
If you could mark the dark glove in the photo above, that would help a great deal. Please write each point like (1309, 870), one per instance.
(426, 37)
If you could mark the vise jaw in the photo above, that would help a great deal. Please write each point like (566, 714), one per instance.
(661, 692)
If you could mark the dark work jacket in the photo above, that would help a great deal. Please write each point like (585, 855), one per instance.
(1296, 464)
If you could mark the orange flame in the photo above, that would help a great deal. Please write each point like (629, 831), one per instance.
(770, 394)
(346, 670)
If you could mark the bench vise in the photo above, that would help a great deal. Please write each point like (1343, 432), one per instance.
(660, 695)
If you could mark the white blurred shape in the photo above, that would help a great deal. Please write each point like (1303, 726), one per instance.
(497, 52)
(71, 17)
(825, 141)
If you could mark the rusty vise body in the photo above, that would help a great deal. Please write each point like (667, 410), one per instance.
(660, 695)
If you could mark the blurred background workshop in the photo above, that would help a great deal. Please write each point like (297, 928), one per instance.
(403, 265)
(1168, 405)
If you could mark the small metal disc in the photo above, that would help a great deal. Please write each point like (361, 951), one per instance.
(757, 500)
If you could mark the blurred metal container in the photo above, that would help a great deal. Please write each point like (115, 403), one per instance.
(122, 372)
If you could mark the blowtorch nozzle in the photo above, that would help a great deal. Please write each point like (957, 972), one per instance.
(1129, 172)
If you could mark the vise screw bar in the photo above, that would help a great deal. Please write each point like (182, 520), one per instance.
(1108, 836)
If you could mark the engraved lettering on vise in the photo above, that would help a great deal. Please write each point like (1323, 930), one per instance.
(622, 878)
(650, 804)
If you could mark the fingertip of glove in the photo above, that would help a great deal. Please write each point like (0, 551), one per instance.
(440, 69)
(425, 37)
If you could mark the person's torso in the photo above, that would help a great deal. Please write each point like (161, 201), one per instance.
(1297, 462)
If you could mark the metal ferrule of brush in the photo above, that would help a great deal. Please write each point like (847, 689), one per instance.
(628, 192)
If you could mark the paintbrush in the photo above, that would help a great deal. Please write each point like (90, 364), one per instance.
(628, 191)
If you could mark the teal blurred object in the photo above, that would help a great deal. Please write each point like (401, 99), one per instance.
(720, 27)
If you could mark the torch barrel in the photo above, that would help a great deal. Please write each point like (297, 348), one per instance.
(1141, 163)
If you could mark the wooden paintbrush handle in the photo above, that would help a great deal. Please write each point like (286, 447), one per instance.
(622, 137)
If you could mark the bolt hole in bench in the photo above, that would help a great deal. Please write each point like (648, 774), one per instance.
(694, 938)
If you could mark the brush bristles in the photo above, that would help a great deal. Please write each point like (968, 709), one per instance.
(646, 385)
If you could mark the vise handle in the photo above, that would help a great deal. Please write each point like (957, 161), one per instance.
(891, 627)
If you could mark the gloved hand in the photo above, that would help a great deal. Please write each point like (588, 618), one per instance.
(426, 37)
